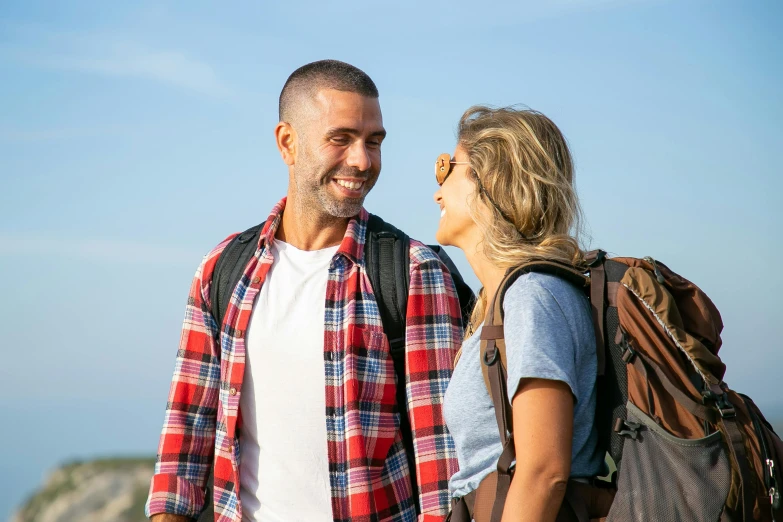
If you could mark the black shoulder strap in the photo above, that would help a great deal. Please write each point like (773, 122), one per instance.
(467, 298)
(387, 261)
(229, 269)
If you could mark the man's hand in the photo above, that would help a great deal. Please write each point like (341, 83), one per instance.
(165, 517)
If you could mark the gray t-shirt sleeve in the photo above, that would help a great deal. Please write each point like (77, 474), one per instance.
(539, 339)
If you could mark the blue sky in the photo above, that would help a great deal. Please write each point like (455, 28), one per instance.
(134, 136)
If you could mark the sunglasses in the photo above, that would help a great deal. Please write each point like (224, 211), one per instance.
(444, 166)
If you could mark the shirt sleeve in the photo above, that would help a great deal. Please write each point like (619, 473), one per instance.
(539, 340)
(433, 336)
(187, 441)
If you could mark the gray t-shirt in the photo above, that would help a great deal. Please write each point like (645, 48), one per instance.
(549, 335)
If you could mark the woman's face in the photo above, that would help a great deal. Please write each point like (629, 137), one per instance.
(456, 227)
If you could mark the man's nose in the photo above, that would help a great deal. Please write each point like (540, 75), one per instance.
(437, 196)
(359, 157)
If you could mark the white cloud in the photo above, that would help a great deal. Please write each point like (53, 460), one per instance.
(101, 250)
(107, 55)
(169, 67)
(16, 135)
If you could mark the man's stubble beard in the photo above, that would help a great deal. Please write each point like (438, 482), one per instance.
(314, 194)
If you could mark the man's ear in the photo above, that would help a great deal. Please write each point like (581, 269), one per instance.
(285, 137)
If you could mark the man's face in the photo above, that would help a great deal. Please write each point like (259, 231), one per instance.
(338, 157)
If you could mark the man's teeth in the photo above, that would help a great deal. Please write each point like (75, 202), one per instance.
(351, 185)
(442, 212)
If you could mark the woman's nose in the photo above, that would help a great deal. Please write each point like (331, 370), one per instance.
(437, 197)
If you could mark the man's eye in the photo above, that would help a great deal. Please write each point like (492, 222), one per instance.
(340, 140)
(374, 144)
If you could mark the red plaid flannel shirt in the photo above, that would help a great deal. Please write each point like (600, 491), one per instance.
(369, 473)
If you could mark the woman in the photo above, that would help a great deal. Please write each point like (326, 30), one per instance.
(507, 197)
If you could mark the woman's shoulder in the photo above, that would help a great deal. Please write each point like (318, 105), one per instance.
(538, 288)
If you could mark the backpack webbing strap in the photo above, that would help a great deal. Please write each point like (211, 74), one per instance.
(493, 364)
(387, 262)
(229, 269)
(730, 426)
(595, 261)
(733, 435)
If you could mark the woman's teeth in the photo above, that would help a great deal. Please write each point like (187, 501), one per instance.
(442, 212)
(350, 185)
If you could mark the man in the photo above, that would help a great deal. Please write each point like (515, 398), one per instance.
(293, 409)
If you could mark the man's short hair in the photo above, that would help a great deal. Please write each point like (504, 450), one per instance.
(323, 74)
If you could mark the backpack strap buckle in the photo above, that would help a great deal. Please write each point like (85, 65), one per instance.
(717, 395)
(626, 428)
(595, 258)
(725, 408)
(628, 354)
(492, 355)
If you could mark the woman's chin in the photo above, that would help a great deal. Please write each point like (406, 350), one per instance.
(443, 238)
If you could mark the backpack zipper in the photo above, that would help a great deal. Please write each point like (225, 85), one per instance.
(767, 463)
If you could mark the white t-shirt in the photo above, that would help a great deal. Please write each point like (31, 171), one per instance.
(284, 467)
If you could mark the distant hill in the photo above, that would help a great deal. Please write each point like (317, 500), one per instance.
(105, 490)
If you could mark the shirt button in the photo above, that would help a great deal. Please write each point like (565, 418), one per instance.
(232, 391)
(255, 280)
(231, 448)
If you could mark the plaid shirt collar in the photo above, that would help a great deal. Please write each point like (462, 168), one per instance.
(351, 247)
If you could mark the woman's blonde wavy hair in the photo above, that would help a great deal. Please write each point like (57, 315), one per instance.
(526, 182)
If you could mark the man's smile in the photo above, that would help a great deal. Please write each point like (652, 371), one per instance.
(350, 187)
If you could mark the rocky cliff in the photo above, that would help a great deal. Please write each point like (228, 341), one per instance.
(107, 490)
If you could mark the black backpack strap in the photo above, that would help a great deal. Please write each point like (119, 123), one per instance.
(467, 299)
(387, 261)
(229, 269)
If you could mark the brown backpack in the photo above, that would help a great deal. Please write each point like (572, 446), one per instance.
(686, 447)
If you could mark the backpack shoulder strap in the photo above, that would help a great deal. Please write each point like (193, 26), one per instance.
(598, 301)
(387, 261)
(493, 367)
(229, 269)
(492, 336)
(464, 293)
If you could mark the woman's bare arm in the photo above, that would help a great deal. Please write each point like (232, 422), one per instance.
(543, 417)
